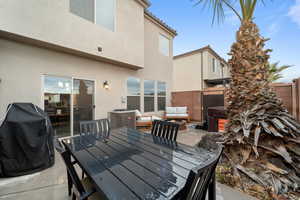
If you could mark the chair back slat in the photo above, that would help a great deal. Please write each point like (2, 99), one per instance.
(103, 127)
(164, 129)
(200, 179)
(154, 129)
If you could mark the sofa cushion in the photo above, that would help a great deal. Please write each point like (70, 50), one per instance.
(156, 118)
(144, 119)
(147, 119)
(181, 110)
(176, 115)
(171, 110)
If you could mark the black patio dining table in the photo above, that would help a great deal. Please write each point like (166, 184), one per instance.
(128, 164)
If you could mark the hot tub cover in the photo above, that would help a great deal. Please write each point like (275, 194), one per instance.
(26, 140)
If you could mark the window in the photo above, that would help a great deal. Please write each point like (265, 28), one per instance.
(105, 13)
(84, 9)
(164, 45)
(214, 62)
(101, 12)
(161, 95)
(149, 92)
(133, 94)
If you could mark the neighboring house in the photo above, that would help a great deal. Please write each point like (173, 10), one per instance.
(62, 55)
(199, 69)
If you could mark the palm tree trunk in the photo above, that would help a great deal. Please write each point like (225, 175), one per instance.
(261, 134)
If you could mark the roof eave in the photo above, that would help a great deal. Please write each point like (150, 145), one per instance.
(206, 48)
(145, 3)
(159, 22)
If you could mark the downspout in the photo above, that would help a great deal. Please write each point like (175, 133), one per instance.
(202, 81)
(202, 86)
(224, 82)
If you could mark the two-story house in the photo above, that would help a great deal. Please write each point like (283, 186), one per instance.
(79, 59)
(199, 69)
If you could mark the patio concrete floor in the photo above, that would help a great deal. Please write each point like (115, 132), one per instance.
(51, 184)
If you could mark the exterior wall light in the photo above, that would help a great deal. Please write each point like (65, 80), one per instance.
(106, 85)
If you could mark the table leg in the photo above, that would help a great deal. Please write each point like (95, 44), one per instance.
(212, 188)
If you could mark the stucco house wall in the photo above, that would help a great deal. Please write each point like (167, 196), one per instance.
(134, 42)
(191, 69)
(51, 21)
(187, 73)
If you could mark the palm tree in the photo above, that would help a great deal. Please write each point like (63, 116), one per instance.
(261, 135)
(275, 71)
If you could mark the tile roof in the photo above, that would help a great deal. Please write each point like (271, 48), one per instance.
(160, 22)
(206, 48)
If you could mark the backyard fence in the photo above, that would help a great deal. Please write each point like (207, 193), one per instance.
(198, 101)
(191, 99)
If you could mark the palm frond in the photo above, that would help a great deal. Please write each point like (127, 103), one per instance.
(218, 6)
(246, 12)
(275, 71)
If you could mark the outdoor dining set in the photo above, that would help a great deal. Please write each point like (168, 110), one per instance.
(125, 163)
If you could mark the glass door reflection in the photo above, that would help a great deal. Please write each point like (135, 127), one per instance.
(57, 103)
(83, 102)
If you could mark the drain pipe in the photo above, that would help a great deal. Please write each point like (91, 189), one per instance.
(202, 82)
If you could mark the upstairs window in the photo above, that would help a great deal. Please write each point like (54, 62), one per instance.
(83, 8)
(105, 13)
(101, 12)
(133, 94)
(164, 45)
(214, 64)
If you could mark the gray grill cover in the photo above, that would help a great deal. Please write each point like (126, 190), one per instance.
(26, 141)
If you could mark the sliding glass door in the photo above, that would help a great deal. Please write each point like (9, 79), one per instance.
(67, 102)
(83, 102)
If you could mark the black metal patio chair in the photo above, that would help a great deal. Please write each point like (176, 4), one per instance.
(165, 129)
(97, 128)
(60, 149)
(84, 188)
(89, 128)
(201, 181)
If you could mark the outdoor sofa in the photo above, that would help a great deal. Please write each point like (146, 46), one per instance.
(145, 120)
(177, 113)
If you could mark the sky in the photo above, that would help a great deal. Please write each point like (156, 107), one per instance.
(278, 20)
